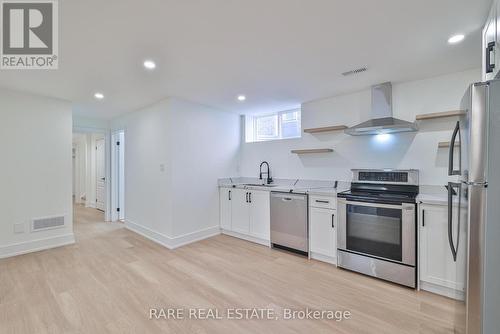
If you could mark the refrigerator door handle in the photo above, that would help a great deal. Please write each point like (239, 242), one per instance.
(454, 250)
(451, 155)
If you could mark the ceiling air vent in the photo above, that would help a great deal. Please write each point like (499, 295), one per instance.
(356, 71)
(41, 224)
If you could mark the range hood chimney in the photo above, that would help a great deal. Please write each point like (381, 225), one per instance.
(382, 121)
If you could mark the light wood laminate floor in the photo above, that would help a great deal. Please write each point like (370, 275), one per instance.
(108, 281)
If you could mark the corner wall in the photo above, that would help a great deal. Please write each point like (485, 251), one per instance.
(406, 150)
(175, 151)
(36, 171)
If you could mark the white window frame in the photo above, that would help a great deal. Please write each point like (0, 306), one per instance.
(255, 138)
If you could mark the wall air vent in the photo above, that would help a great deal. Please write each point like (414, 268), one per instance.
(48, 223)
(356, 71)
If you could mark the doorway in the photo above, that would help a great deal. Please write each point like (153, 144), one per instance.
(90, 181)
(118, 176)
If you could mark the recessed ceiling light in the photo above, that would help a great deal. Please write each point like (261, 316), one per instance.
(99, 96)
(242, 98)
(149, 64)
(456, 39)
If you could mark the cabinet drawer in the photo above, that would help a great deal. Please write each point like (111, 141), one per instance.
(324, 202)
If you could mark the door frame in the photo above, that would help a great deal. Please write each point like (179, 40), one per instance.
(96, 157)
(107, 163)
(115, 170)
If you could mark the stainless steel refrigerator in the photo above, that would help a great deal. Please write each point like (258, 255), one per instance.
(474, 207)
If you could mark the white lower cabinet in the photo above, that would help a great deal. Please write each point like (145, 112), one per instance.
(246, 214)
(225, 195)
(260, 214)
(240, 211)
(438, 272)
(322, 233)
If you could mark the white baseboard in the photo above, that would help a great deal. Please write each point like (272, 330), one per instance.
(323, 258)
(247, 238)
(36, 245)
(172, 242)
(442, 290)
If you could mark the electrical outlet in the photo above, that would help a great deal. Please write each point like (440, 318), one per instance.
(19, 228)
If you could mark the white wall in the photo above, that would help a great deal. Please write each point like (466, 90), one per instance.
(36, 170)
(205, 148)
(89, 124)
(175, 151)
(411, 150)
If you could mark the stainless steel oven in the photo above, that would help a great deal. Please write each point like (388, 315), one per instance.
(377, 227)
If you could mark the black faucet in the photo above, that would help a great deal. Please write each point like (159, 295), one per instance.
(269, 178)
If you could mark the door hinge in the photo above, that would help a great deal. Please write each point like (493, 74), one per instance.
(96, 148)
(117, 209)
(118, 143)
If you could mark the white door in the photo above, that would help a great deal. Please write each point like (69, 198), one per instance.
(260, 214)
(121, 175)
(436, 261)
(322, 229)
(240, 211)
(100, 175)
(225, 199)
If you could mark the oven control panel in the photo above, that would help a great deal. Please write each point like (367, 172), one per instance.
(400, 177)
(385, 176)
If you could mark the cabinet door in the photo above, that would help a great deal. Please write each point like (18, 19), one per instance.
(260, 214)
(225, 197)
(240, 211)
(489, 46)
(497, 37)
(322, 237)
(436, 261)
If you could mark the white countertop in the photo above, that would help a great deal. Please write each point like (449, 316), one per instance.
(311, 187)
(427, 194)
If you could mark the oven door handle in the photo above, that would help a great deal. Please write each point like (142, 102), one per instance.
(373, 205)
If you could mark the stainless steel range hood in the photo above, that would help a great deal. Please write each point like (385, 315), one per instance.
(382, 120)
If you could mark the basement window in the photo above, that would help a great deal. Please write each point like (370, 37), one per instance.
(279, 125)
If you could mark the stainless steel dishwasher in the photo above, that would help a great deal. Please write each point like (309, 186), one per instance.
(289, 224)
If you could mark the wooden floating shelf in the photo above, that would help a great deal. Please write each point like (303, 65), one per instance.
(314, 150)
(443, 114)
(326, 129)
(445, 144)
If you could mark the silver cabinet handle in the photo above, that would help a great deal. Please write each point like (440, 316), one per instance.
(229, 195)
(322, 201)
(249, 197)
(333, 220)
(423, 218)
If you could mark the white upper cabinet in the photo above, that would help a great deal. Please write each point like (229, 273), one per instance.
(436, 264)
(490, 43)
(240, 211)
(323, 223)
(260, 214)
(225, 197)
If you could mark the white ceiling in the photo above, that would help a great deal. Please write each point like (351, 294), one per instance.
(278, 53)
